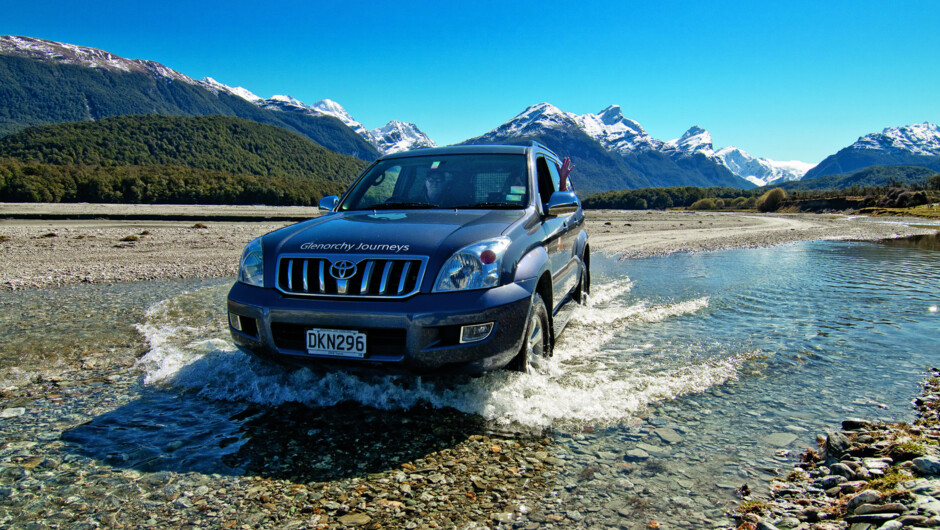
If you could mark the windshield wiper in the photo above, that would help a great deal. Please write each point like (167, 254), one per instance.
(489, 206)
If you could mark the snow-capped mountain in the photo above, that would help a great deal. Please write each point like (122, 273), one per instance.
(616, 132)
(398, 136)
(758, 171)
(917, 139)
(612, 152)
(608, 127)
(623, 135)
(909, 145)
(394, 136)
(762, 171)
(214, 86)
(33, 48)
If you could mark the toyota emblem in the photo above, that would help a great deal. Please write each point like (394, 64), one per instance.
(343, 269)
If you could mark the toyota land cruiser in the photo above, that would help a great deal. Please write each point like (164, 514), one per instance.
(465, 258)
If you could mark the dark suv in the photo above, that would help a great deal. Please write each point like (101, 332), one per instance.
(459, 258)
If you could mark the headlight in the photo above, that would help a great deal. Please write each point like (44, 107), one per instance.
(475, 266)
(251, 266)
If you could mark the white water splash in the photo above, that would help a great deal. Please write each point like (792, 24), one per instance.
(582, 382)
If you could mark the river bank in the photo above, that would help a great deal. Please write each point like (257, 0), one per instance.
(868, 475)
(99, 244)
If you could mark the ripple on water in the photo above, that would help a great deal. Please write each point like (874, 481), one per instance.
(744, 355)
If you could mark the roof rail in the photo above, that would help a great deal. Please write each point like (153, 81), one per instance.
(533, 143)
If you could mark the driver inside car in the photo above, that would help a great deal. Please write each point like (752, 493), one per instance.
(434, 186)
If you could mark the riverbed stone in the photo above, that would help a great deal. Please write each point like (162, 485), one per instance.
(927, 465)
(668, 435)
(780, 439)
(842, 470)
(355, 519)
(12, 412)
(652, 449)
(831, 481)
(865, 497)
(837, 444)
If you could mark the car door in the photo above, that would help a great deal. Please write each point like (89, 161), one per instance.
(557, 241)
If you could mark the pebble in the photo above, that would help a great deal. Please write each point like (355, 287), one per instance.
(838, 485)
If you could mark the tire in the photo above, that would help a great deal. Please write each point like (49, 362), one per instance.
(583, 290)
(537, 341)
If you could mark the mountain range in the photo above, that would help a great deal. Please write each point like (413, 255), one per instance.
(911, 145)
(45, 82)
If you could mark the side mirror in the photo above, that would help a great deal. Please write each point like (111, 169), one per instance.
(328, 203)
(562, 203)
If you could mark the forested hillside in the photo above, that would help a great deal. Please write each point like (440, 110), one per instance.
(868, 177)
(37, 92)
(211, 159)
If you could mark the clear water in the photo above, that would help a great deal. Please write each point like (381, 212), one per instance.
(745, 355)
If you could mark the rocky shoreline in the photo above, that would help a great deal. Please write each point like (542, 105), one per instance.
(867, 476)
(457, 474)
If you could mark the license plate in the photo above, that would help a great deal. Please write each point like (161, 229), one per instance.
(336, 342)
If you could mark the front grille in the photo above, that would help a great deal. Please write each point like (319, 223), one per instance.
(371, 277)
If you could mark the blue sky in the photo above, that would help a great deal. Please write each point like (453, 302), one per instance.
(784, 80)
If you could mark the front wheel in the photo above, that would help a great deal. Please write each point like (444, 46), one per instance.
(537, 341)
(583, 290)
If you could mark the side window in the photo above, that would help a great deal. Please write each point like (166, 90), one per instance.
(547, 178)
(556, 178)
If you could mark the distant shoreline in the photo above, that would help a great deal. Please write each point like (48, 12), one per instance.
(46, 245)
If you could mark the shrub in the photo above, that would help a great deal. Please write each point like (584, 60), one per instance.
(770, 201)
(703, 204)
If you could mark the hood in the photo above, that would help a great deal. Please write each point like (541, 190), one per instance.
(392, 232)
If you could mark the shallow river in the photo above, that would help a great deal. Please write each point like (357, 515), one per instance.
(684, 378)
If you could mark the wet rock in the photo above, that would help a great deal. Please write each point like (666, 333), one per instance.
(636, 454)
(856, 425)
(355, 519)
(574, 515)
(831, 481)
(837, 444)
(651, 449)
(865, 509)
(872, 518)
(668, 435)
(892, 525)
(13, 412)
(842, 470)
(927, 465)
(911, 520)
(853, 486)
(780, 439)
(865, 497)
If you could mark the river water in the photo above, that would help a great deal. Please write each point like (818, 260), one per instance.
(684, 378)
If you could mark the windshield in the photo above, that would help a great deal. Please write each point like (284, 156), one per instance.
(449, 181)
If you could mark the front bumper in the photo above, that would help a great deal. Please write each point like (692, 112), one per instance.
(420, 334)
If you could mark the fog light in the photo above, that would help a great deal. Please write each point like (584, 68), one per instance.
(475, 332)
(235, 321)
